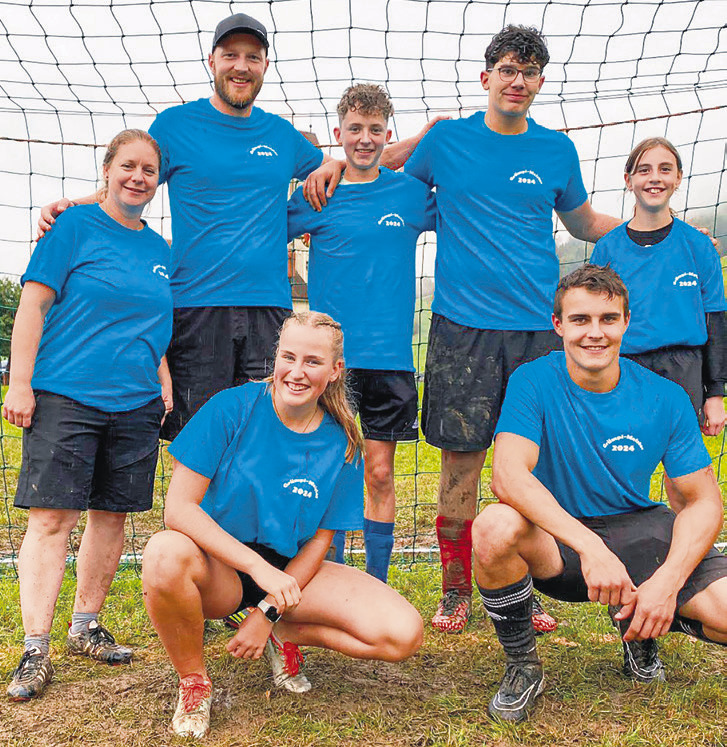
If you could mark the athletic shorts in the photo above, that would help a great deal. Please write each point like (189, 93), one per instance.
(387, 403)
(680, 364)
(214, 348)
(466, 376)
(79, 457)
(641, 540)
(252, 594)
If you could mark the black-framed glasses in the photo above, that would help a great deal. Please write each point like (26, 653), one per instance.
(508, 73)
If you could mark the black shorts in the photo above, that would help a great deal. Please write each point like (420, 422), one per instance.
(78, 457)
(466, 375)
(641, 540)
(252, 594)
(680, 364)
(214, 348)
(387, 403)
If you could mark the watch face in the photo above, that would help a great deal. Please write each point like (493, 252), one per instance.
(270, 611)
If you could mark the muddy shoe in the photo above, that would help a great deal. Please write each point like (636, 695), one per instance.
(34, 672)
(192, 717)
(452, 613)
(98, 644)
(286, 660)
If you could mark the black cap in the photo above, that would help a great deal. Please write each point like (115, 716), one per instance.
(240, 23)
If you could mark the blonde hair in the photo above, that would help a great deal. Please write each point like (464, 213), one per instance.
(637, 153)
(124, 138)
(335, 399)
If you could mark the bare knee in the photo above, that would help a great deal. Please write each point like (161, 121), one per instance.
(379, 479)
(496, 532)
(170, 557)
(52, 522)
(404, 635)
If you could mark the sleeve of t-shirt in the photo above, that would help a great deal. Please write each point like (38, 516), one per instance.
(203, 441)
(345, 511)
(685, 452)
(574, 194)
(430, 212)
(522, 410)
(710, 275)
(420, 163)
(158, 131)
(54, 257)
(307, 157)
(301, 216)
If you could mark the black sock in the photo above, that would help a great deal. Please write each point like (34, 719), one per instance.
(694, 628)
(510, 610)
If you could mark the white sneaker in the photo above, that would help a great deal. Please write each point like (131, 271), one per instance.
(192, 717)
(286, 660)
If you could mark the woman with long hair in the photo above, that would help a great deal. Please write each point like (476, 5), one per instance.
(264, 474)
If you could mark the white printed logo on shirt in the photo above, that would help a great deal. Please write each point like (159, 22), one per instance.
(391, 219)
(264, 151)
(623, 442)
(686, 280)
(526, 177)
(160, 270)
(302, 486)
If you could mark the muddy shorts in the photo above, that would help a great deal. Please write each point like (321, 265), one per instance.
(214, 348)
(466, 375)
(680, 364)
(387, 403)
(641, 541)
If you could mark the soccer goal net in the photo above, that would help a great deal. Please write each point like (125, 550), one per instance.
(75, 72)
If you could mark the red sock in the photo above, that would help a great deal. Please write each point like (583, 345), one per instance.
(455, 547)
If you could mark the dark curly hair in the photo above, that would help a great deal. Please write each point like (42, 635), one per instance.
(366, 98)
(526, 43)
(596, 279)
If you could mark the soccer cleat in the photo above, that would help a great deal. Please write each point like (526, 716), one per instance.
(33, 673)
(453, 612)
(641, 658)
(286, 660)
(542, 621)
(522, 683)
(97, 643)
(192, 717)
(235, 619)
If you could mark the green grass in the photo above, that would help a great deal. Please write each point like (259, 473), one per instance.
(439, 697)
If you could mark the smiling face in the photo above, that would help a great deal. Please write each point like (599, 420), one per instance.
(238, 64)
(132, 177)
(653, 180)
(509, 101)
(363, 137)
(592, 326)
(304, 367)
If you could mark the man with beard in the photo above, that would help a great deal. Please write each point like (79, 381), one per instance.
(228, 165)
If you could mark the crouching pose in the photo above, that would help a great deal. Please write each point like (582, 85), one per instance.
(264, 475)
(578, 439)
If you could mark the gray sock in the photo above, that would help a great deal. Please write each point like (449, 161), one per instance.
(81, 620)
(39, 640)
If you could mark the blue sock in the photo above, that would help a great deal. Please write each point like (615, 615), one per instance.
(379, 542)
(338, 545)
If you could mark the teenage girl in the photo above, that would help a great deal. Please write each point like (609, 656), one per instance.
(265, 473)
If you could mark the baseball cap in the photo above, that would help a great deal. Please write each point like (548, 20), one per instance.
(242, 24)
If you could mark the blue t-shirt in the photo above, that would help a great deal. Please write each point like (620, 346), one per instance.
(671, 285)
(599, 450)
(111, 321)
(496, 266)
(228, 185)
(269, 484)
(362, 264)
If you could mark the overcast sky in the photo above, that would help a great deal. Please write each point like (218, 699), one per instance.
(79, 74)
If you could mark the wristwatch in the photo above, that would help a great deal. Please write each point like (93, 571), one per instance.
(270, 611)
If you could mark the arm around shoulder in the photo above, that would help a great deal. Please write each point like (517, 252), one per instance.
(586, 224)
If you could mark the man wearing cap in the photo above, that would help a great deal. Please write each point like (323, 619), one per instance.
(228, 165)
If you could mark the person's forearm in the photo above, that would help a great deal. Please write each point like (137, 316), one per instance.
(597, 228)
(521, 490)
(27, 331)
(696, 528)
(165, 378)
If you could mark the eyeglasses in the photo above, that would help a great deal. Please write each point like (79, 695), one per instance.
(508, 73)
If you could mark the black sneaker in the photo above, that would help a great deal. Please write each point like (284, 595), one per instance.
(97, 643)
(641, 658)
(522, 683)
(34, 672)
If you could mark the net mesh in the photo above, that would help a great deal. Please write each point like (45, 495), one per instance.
(72, 74)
